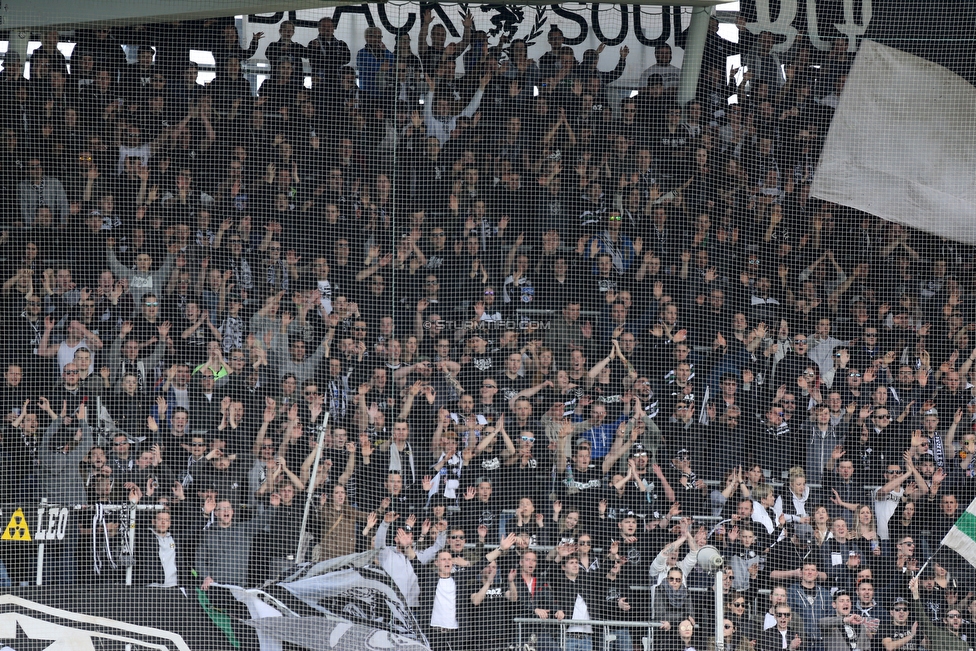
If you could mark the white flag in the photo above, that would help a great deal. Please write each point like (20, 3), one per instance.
(962, 536)
(902, 146)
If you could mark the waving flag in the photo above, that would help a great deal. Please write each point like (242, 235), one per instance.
(962, 536)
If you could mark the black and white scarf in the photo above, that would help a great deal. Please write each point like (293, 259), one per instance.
(277, 275)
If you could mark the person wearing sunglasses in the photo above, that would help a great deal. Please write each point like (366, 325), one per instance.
(735, 640)
(737, 613)
(782, 635)
(778, 601)
(946, 635)
(795, 359)
(900, 631)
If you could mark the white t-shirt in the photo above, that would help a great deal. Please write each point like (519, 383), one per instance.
(66, 354)
(884, 508)
(580, 611)
(444, 613)
(167, 556)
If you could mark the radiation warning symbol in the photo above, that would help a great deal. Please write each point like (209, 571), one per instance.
(17, 527)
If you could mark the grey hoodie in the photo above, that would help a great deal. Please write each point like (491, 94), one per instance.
(141, 283)
(61, 478)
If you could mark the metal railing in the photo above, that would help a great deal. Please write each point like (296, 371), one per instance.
(130, 524)
(605, 624)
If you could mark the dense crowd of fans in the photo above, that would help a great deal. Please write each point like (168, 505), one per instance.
(553, 342)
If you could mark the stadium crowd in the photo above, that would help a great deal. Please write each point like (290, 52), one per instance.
(556, 341)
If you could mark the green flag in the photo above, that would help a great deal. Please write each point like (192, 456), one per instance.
(218, 617)
(962, 536)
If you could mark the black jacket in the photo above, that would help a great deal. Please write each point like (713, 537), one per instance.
(564, 593)
(148, 567)
(772, 640)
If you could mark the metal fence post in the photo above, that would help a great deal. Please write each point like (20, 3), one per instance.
(40, 548)
(132, 544)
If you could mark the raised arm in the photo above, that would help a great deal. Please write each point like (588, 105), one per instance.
(269, 415)
(44, 347)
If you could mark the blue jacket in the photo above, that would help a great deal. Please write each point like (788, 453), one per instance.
(368, 64)
(812, 613)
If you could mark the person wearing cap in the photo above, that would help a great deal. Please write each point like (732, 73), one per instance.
(13, 65)
(943, 635)
(628, 541)
(901, 632)
(689, 488)
(932, 597)
(636, 489)
(844, 630)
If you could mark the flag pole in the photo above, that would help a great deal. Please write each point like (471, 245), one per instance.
(310, 489)
(929, 560)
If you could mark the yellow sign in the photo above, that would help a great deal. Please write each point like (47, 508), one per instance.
(17, 527)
